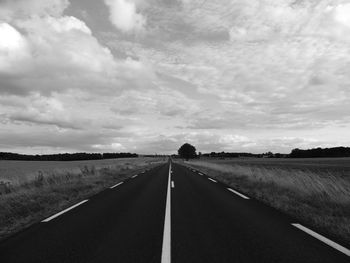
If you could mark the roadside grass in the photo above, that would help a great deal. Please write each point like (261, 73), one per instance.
(319, 200)
(50, 192)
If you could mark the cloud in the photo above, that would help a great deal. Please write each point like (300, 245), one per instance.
(19, 9)
(124, 16)
(46, 111)
(224, 75)
(50, 52)
(17, 139)
(341, 14)
(13, 48)
(160, 102)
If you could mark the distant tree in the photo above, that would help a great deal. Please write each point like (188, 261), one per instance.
(187, 151)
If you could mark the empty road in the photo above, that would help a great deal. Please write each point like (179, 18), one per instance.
(169, 214)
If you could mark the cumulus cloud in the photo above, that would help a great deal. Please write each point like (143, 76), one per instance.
(124, 15)
(51, 53)
(14, 48)
(45, 51)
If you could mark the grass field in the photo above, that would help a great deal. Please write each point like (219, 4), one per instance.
(18, 172)
(340, 166)
(315, 192)
(31, 190)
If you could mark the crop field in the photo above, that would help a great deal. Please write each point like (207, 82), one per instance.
(340, 166)
(314, 191)
(18, 172)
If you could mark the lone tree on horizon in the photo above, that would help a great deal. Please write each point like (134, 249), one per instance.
(187, 151)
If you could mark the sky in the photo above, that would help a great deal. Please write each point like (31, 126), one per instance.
(147, 76)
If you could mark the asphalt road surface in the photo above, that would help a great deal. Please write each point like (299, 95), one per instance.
(204, 222)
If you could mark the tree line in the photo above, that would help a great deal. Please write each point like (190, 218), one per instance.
(188, 151)
(64, 156)
(321, 152)
(230, 154)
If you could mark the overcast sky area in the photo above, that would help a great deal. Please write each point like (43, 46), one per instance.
(146, 76)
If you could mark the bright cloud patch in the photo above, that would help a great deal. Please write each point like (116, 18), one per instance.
(342, 14)
(123, 15)
(13, 48)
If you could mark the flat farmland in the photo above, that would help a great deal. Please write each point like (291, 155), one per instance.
(339, 166)
(18, 172)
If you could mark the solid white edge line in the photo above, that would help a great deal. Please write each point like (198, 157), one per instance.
(212, 180)
(323, 239)
(237, 193)
(172, 184)
(116, 185)
(166, 248)
(64, 211)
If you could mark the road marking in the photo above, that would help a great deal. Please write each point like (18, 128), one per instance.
(134, 176)
(323, 239)
(212, 180)
(166, 248)
(116, 185)
(64, 211)
(237, 193)
(172, 184)
(200, 174)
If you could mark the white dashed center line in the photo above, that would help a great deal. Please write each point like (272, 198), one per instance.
(166, 248)
(64, 211)
(116, 185)
(323, 239)
(212, 180)
(237, 193)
